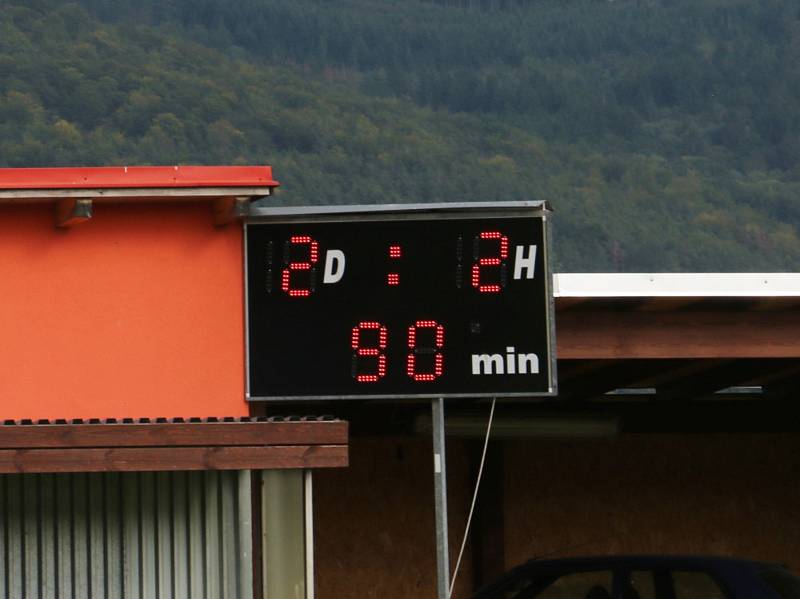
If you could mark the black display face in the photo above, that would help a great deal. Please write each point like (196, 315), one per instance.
(418, 307)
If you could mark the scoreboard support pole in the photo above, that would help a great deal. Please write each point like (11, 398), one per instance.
(440, 500)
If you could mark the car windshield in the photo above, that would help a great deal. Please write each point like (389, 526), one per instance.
(594, 584)
(782, 582)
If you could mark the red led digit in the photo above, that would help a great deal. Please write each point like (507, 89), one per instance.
(416, 350)
(395, 251)
(393, 278)
(307, 265)
(483, 262)
(372, 352)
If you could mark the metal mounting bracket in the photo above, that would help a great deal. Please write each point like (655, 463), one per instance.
(230, 209)
(72, 211)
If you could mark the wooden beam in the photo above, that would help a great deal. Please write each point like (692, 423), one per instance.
(672, 370)
(666, 304)
(144, 459)
(622, 334)
(773, 304)
(198, 434)
(563, 304)
(73, 211)
(717, 375)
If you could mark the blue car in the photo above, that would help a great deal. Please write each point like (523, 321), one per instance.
(645, 577)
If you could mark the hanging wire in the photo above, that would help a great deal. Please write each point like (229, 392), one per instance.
(474, 499)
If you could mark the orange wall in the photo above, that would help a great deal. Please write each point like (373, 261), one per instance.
(136, 313)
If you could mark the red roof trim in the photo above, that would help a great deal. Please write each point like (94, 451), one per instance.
(132, 177)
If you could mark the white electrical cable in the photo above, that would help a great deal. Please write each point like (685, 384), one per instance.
(474, 499)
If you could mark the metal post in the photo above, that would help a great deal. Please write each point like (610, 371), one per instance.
(440, 500)
(308, 494)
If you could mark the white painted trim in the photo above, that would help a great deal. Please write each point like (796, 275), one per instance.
(699, 285)
(308, 495)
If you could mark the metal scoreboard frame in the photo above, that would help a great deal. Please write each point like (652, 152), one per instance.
(395, 213)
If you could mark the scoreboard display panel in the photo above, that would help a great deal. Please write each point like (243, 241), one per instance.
(431, 301)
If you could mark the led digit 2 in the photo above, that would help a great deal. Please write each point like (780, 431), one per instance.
(498, 261)
(305, 265)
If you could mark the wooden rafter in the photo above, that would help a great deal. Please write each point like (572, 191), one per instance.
(623, 334)
(172, 446)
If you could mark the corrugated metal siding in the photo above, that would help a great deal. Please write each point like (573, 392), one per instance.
(137, 535)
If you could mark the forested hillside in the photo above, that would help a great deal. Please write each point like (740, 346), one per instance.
(666, 134)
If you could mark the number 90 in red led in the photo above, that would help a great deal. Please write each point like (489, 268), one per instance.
(369, 340)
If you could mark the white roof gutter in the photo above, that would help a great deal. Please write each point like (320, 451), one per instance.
(720, 285)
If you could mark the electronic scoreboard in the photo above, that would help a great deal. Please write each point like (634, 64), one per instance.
(442, 300)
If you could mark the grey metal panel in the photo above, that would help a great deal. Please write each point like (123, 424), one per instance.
(131, 560)
(3, 538)
(80, 535)
(180, 545)
(63, 527)
(96, 523)
(48, 547)
(213, 528)
(14, 527)
(308, 496)
(113, 535)
(245, 542)
(126, 536)
(283, 534)
(197, 536)
(148, 542)
(363, 210)
(164, 534)
(30, 523)
(229, 519)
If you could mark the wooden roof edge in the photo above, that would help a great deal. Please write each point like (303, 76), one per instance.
(307, 431)
(165, 420)
(170, 459)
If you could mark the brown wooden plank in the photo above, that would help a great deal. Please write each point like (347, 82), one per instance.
(204, 434)
(609, 334)
(174, 458)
